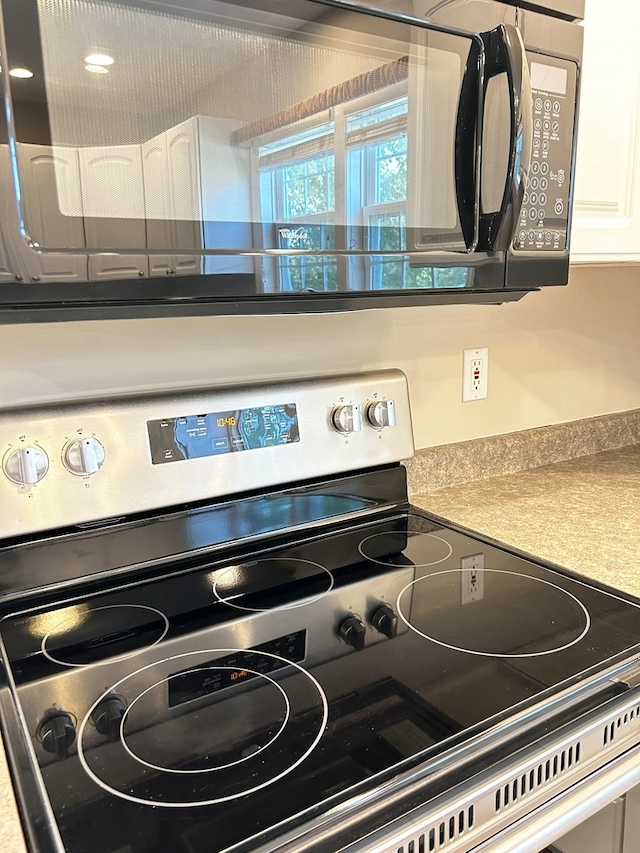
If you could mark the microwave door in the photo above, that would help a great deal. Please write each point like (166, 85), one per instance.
(311, 145)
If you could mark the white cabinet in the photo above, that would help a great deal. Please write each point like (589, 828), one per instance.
(202, 184)
(51, 193)
(606, 211)
(187, 189)
(169, 226)
(10, 268)
(114, 210)
(42, 193)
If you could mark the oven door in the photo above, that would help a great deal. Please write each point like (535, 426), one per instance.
(269, 152)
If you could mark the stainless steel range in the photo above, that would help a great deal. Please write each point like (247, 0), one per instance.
(224, 627)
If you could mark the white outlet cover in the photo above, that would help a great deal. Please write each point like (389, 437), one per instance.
(477, 391)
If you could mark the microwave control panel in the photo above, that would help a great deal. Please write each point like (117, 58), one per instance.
(542, 226)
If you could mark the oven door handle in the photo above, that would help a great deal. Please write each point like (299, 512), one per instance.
(505, 53)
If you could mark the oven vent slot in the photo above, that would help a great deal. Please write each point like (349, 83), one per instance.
(611, 730)
(440, 834)
(537, 777)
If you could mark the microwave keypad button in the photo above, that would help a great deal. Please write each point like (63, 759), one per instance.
(534, 183)
(544, 168)
(547, 106)
(538, 104)
(559, 206)
(556, 108)
(535, 167)
(542, 199)
(544, 183)
(533, 213)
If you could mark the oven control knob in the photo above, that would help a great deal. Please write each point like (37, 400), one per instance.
(382, 414)
(107, 716)
(84, 456)
(385, 620)
(26, 465)
(353, 632)
(347, 418)
(56, 732)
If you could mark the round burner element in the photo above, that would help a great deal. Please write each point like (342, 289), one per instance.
(206, 727)
(280, 583)
(509, 615)
(97, 636)
(400, 548)
(250, 753)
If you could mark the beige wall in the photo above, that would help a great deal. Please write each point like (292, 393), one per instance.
(558, 355)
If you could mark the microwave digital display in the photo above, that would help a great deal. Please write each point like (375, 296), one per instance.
(548, 78)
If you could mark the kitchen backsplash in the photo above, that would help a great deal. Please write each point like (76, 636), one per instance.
(468, 461)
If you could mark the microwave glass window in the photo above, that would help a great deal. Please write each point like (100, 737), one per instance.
(312, 146)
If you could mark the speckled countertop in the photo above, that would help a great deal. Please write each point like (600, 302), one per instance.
(583, 514)
(11, 839)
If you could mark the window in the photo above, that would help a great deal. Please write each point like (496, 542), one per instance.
(304, 198)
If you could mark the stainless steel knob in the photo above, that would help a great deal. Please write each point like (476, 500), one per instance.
(347, 418)
(382, 414)
(84, 456)
(26, 465)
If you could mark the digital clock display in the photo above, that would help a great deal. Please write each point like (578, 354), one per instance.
(198, 436)
(216, 675)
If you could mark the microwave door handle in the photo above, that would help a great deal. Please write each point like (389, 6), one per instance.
(505, 53)
(467, 146)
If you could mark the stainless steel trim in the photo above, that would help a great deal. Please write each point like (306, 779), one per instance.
(566, 811)
(128, 482)
(491, 815)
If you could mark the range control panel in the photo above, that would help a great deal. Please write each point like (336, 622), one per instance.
(542, 226)
(80, 463)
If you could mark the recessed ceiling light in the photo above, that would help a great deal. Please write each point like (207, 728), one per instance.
(96, 69)
(99, 59)
(21, 73)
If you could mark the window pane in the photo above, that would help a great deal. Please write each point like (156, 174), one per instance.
(307, 272)
(391, 170)
(308, 186)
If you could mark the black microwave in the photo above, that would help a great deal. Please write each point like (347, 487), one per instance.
(163, 157)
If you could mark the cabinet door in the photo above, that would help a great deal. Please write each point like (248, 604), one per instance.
(606, 211)
(155, 175)
(114, 209)
(53, 211)
(10, 267)
(173, 155)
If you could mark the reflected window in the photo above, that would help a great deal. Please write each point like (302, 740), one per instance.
(303, 195)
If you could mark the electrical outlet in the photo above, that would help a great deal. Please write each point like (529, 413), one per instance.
(472, 578)
(475, 368)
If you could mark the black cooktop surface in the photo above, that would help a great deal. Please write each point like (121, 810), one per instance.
(197, 711)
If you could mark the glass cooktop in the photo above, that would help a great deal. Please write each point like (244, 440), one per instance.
(199, 711)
